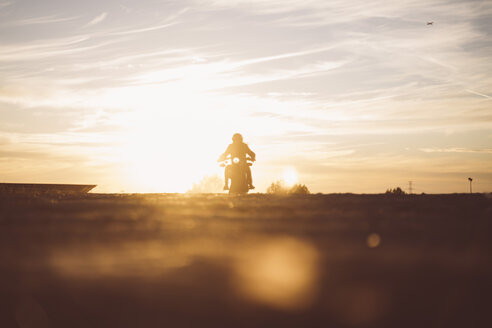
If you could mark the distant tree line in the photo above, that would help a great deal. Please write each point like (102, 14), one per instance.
(209, 184)
(279, 188)
(395, 191)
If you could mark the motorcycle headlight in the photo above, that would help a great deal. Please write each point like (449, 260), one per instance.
(235, 160)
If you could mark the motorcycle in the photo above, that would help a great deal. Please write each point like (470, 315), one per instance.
(238, 173)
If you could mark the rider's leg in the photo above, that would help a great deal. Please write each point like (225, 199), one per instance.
(250, 177)
(227, 176)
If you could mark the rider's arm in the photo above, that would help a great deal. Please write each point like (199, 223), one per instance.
(250, 153)
(225, 154)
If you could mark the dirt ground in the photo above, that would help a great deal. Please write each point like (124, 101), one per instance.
(169, 260)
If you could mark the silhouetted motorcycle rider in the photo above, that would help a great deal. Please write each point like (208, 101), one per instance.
(237, 149)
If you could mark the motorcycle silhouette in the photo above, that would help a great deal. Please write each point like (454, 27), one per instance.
(238, 174)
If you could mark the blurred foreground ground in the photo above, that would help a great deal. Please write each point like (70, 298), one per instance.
(165, 260)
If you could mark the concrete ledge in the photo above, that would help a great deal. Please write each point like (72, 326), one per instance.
(7, 188)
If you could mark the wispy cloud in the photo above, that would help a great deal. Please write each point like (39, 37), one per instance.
(98, 19)
(170, 20)
(283, 56)
(144, 29)
(39, 20)
(48, 48)
(479, 94)
(456, 150)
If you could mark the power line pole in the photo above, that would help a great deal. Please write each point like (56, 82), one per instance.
(410, 189)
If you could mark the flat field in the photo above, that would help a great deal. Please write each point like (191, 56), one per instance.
(172, 260)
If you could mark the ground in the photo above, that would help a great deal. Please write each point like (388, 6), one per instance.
(171, 260)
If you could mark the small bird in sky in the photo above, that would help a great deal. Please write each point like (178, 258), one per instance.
(430, 23)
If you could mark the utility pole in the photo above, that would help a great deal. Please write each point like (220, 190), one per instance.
(470, 179)
(410, 189)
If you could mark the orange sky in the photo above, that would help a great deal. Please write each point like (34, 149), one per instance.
(143, 96)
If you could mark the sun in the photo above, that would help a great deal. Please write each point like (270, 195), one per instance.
(290, 176)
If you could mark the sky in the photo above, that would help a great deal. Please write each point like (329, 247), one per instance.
(144, 95)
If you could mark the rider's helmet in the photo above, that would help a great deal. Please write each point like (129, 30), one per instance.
(237, 137)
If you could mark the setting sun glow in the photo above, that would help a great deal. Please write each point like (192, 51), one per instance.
(290, 176)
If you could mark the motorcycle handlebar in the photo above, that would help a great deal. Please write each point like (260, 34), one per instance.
(230, 159)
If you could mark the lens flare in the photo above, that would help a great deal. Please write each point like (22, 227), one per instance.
(281, 273)
(373, 240)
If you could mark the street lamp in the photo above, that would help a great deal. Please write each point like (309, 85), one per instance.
(470, 179)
